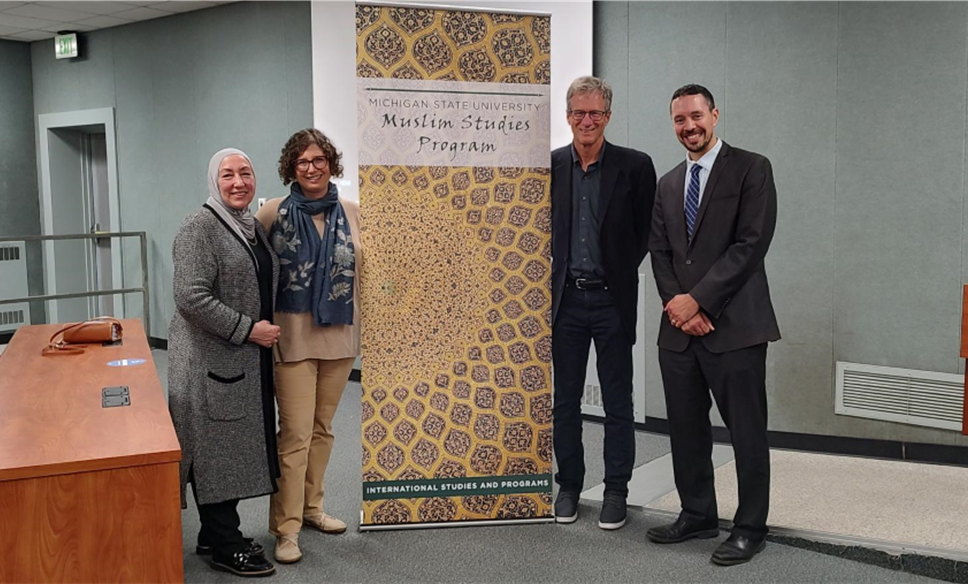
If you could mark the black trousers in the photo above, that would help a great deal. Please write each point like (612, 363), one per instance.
(220, 525)
(738, 383)
(584, 316)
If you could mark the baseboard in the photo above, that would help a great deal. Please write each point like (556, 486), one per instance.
(844, 445)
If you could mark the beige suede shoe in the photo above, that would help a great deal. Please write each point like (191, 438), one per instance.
(287, 549)
(325, 523)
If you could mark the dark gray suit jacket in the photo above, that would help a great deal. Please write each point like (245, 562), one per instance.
(722, 267)
(627, 195)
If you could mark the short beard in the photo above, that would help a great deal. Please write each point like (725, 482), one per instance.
(698, 147)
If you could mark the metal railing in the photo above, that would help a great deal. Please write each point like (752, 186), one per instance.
(143, 289)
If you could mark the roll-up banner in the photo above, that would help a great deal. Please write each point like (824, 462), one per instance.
(454, 126)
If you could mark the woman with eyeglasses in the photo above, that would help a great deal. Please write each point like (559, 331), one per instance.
(315, 232)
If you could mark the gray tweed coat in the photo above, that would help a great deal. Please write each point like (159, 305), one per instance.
(214, 379)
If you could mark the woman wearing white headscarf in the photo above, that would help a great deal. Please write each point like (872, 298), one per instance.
(220, 373)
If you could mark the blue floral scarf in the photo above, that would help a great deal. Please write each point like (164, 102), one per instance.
(327, 292)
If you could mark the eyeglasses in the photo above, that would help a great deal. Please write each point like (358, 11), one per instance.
(579, 115)
(320, 162)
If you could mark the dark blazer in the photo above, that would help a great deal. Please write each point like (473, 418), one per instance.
(722, 267)
(627, 196)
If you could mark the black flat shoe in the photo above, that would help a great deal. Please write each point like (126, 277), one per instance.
(251, 547)
(737, 549)
(681, 530)
(243, 564)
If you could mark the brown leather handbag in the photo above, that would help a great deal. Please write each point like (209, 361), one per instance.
(74, 338)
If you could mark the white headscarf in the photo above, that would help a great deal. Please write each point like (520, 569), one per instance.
(241, 221)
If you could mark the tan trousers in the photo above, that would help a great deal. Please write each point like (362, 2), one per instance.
(307, 393)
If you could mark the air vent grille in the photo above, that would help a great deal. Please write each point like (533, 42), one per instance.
(12, 317)
(592, 396)
(13, 284)
(9, 254)
(923, 398)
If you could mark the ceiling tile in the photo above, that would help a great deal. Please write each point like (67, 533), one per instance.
(33, 35)
(103, 21)
(180, 6)
(89, 7)
(141, 14)
(6, 5)
(9, 30)
(7, 19)
(71, 26)
(46, 13)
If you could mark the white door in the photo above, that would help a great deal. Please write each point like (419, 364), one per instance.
(80, 196)
(100, 221)
(68, 216)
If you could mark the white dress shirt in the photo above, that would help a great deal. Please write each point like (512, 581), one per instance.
(706, 165)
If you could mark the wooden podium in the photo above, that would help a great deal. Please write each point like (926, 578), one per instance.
(87, 493)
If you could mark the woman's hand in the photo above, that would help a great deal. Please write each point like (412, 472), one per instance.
(264, 333)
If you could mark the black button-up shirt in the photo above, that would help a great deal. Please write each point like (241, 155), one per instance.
(585, 252)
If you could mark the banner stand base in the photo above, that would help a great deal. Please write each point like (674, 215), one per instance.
(475, 523)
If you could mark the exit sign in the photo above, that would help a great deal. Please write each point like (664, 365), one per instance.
(65, 46)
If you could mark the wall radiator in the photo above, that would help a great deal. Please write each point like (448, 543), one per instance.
(909, 396)
(592, 398)
(13, 284)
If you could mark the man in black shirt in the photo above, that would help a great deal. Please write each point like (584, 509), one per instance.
(601, 199)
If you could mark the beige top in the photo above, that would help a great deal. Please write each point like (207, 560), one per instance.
(300, 337)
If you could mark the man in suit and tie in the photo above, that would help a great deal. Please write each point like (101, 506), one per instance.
(601, 201)
(713, 221)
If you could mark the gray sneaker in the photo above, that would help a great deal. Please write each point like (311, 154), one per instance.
(566, 507)
(613, 512)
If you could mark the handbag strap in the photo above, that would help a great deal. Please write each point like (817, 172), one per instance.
(57, 346)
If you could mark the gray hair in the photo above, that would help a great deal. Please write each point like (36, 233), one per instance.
(589, 84)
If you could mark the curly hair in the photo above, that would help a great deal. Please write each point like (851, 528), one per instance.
(297, 144)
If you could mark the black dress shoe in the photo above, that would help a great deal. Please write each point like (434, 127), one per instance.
(251, 547)
(737, 549)
(243, 564)
(681, 530)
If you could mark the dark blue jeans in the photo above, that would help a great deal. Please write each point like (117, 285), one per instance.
(583, 317)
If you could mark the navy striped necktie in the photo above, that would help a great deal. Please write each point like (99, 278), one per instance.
(692, 199)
